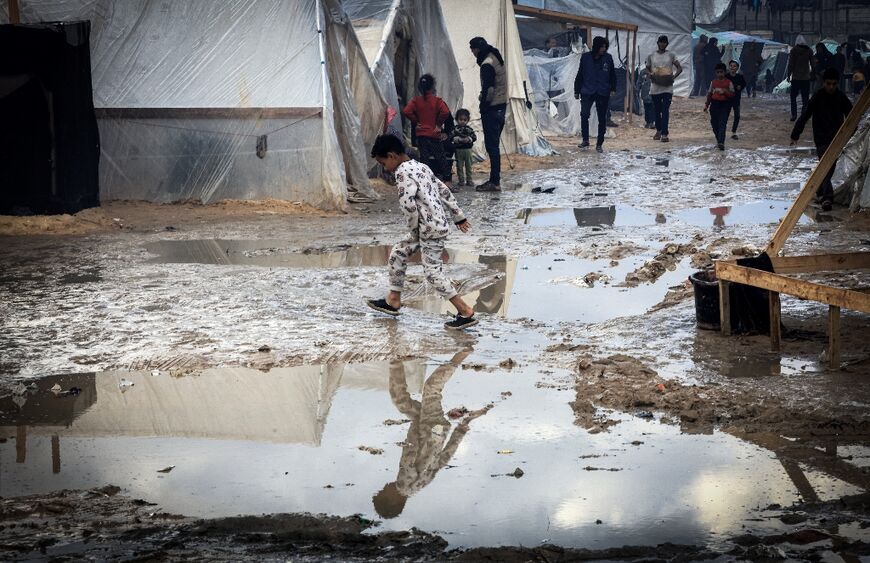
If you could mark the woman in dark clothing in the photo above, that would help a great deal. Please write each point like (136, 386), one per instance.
(712, 57)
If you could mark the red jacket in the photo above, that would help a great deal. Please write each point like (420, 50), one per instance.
(723, 84)
(429, 113)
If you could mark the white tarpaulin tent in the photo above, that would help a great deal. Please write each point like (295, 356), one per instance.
(851, 179)
(202, 100)
(494, 20)
(402, 40)
(666, 17)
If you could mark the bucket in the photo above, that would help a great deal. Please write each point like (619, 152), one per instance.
(706, 288)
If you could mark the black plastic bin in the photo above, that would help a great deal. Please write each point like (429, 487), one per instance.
(706, 289)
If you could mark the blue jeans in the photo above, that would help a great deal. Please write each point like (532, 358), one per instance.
(492, 120)
(662, 105)
(601, 103)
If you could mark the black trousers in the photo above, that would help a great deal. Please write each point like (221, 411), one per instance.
(601, 103)
(801, 87)
(432, 155)
(736, 109)
(719, 112)
(826, 189)
(699, 88)
(492, 120)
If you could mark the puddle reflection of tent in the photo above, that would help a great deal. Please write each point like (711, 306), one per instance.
(285, 405)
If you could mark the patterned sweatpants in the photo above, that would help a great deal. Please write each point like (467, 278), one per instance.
(430, 253)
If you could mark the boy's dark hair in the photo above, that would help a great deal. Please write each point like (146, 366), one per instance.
(720, 66)
(599, 42)
(663, 39)
(386, 144)
(462, 112)
(732, 61)
(831, 74)
(426, 83)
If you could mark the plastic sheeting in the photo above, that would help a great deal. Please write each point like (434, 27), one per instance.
(244, 99)
(709, 12)
(402, 40)
(494, 20)
(552, 92)
(851, 179)
(666, 17)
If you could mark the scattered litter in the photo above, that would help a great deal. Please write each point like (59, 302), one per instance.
(660, 387)
(506, 394)
(155, 373)
(394, 422)
(125, 384)
(475, 366)
(637, 443)
(505, 452)
(458, 412)
(166, 469)
(328, 487)
(644, 414)
(517, 473)
(509, 363)
(371, 450)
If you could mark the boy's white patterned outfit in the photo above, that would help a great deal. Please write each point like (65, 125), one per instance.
(425, 202)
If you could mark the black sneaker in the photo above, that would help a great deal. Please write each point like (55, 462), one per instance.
(488, 187)
(721, 146)
(827, 205)
(599, 148)
(735, 137)
(584, 145)
(460, 323)
(382, 306)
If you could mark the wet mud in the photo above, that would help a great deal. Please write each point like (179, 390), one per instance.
(228, 367)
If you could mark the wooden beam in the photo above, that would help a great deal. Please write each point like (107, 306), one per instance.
(14, 12)
(818, 175)
(820, 262)
(834, 336)
(725, 307)
(775, 320)
(845, 298)
(562, 17)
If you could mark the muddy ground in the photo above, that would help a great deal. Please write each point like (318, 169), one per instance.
(219, 361)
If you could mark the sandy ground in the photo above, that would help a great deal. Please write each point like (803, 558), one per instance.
(600, 313)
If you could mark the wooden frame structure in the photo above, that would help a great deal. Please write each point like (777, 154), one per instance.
(728, 272)
(14, 11)
(588, 24)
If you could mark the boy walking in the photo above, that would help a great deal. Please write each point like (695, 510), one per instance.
(739, 82)
(594, 84)
(463, 139)
(719, 104)
(661, 66)
(828, 107)
(425, 202)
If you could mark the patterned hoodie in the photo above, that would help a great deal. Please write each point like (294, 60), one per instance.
(423, 199)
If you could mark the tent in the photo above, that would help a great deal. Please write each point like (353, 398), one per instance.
(402, 40)
(245, 100)
(734, 41)
(851, 180)
(667, 17)
(494, 20)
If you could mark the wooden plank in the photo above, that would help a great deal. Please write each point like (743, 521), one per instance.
(845, 298)
(775, 320)
(14, 12)
(562, 17)
(207, 113)
(818, 175)
(834, 336)
(725, 307)
(820, 262)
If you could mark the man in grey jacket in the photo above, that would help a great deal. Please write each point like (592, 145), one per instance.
(801, 70)
(493, 104)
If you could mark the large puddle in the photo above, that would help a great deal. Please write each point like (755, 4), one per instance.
(758, 213)
(379, 439)
(545, 288)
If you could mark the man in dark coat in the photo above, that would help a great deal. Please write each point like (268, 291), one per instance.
(594, 84)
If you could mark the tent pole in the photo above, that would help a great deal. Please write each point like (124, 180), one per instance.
(14, 11)
(634, 63)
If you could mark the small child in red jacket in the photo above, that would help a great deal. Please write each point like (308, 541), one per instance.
(719, 104)
(429, 112)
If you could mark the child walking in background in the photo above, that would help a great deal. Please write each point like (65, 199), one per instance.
(719, 104)
(644, 85)
(463, 139)
(429, 207)
(428, 113)
(739, 82)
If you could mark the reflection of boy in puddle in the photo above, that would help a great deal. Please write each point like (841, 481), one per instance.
(424, 453)
(719, 214)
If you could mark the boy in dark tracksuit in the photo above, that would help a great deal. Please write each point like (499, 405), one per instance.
(739, 82)
(719, 104)
(828, 107)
